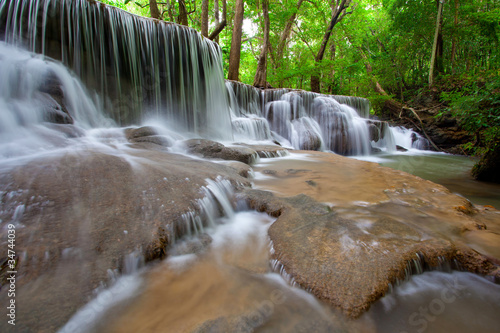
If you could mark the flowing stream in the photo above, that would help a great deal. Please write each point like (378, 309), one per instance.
(113, 69)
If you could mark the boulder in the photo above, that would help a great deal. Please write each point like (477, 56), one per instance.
(79, 214)
(212, 149)
(400, 148)
(309, 134)
(267, 151)
(379, 226)
(156, 139)
(374, 133)
(134, 133)
(488, 168)
(150, 134)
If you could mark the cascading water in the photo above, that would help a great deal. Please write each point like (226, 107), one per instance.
(140, 69)
(35, 92)
(409, 139)
(304, 120)
(144, 67)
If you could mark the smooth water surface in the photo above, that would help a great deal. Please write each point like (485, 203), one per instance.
(451, 171)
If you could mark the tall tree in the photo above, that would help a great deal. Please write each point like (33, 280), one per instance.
(220, 25)
(183, 14)
(285, 34)
(204, 17)
(153, 8)
(235, 52)
(454, 39)
(260, 79)
(435, 49)
(339, 11)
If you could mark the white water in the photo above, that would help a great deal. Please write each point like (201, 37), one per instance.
(303, 120)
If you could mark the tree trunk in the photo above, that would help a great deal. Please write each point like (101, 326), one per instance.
(331, 85)
(280, 48)
(338, 13)
(183, 16)
(216, 19)
(435, 44)
(153, 8)
(440, 43)
(454, 41)
(204, 17)
(235, 52)
(220, 25)
(260, 79)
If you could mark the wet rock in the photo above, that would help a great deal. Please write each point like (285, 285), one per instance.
(156, 139)
(345, 265)
(392, 224)
(53, 110)
(242, 154)
(134, 133)
(51, 96)
(402, 149)
(374, 132)
(487, 169)
(267, 151)
(308, 136)
(243, 169)
(70, 131)
(212, 149)
(78, 215)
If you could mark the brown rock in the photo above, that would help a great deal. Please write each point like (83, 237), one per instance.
(391, 224)
(79, 215)
(212, 149)
(134, 133)
(267, 151)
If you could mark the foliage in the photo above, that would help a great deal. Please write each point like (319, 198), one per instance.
(476, 103)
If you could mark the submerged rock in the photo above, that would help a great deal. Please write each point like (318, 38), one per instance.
(379, 226)
(213, 149)
(51, 96)
(267, 151)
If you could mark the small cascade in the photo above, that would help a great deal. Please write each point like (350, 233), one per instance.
(141, 67)
(35, 91)
(294, 118)
(382, 137)
(216, 202)
(409, 139)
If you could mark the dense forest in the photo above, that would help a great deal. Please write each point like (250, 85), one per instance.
(396, 53)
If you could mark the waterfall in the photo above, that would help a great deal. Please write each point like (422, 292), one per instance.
(143, 67)
(408, 139)
(301, 119)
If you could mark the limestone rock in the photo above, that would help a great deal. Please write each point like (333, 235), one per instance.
(78, 215)
(266, 151)
(134, 133)
(212, 149)
(391, 224)
(150, 134)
